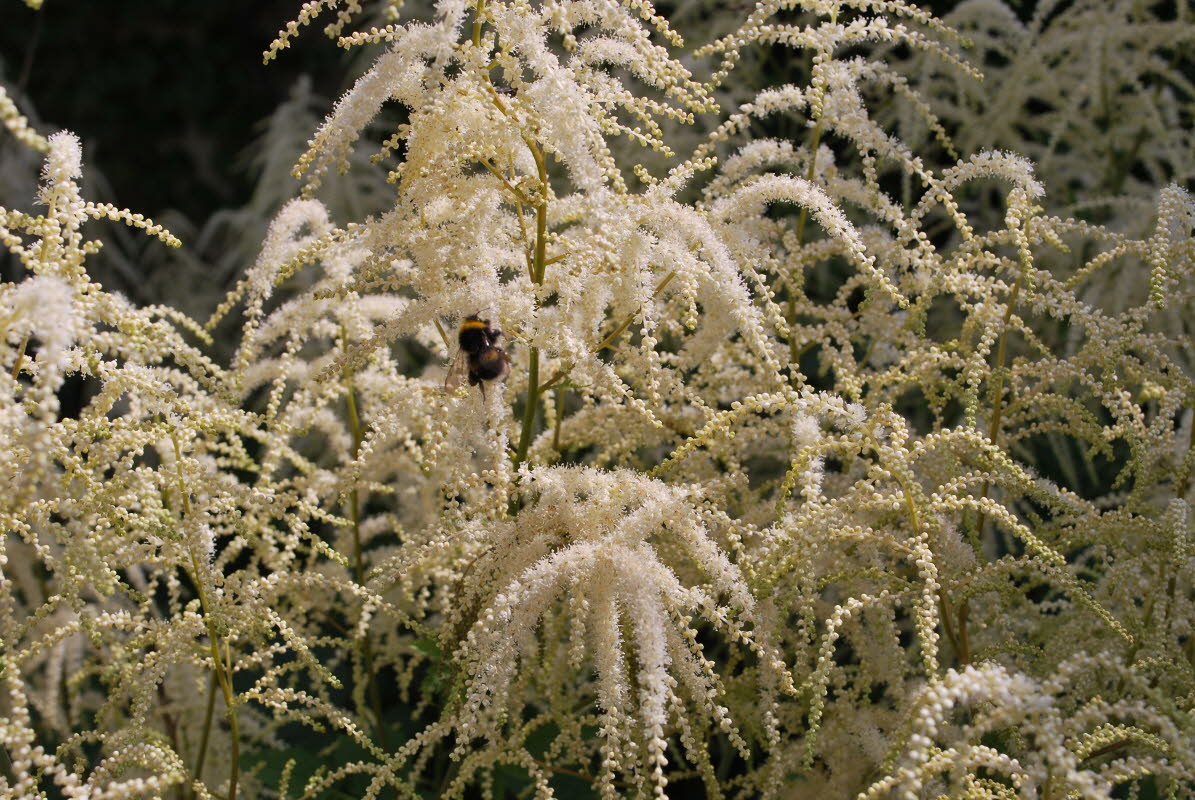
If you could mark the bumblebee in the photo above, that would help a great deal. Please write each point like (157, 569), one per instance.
(479, 357)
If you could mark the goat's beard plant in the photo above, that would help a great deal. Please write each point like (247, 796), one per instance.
(795, 485)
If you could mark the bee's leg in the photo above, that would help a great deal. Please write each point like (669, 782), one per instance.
(481, 385)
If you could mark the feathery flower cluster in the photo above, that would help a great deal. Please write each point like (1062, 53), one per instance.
(845, 463)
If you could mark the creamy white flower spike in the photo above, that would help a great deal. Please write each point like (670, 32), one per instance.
(845, 447)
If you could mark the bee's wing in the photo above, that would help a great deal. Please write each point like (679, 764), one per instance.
(457, 371)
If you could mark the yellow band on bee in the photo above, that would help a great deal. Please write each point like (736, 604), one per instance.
(472, 324)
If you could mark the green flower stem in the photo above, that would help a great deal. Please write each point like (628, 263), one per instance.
(16, 366)
(815, 140)
(538, 266)
(207, 727)
(221, 668)
(539, 260)
(222, 671)
(1184, 483)
(906, 488)
(609, 340)
(541, 214)
(510, 187)
(477, 23)
(626, 323)
(530, 409)
(964, 610)
(358, 432)
(998, 393)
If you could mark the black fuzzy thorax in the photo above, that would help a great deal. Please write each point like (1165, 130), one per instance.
(473, 340)
(476, 334)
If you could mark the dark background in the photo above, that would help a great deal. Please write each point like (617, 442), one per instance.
(171, 88)
(174, 89)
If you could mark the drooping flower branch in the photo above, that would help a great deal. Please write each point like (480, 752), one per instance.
(842, 463)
